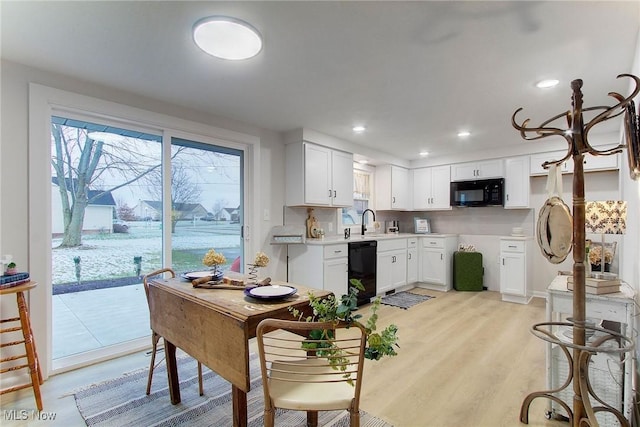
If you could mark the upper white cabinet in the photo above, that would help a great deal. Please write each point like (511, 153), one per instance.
(517, 183)
(591, 163)
(431, 188)
(477, 170)
(318, 176)
(392, 188)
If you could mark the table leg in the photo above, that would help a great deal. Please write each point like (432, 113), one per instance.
(172, 372)
(239, 407)
(312, 418)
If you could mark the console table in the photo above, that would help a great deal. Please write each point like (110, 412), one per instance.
(606, 372)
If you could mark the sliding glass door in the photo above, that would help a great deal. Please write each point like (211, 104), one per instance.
(206, 204)
(115, 217)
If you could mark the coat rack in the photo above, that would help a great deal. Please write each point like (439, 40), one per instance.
(576, 136)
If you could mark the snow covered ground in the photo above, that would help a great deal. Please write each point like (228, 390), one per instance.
(112, 255)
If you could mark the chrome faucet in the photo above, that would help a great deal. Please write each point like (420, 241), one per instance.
(364, 226)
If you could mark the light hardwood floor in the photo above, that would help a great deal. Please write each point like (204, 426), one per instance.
(466, 359)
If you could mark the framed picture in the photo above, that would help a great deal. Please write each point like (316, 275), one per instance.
(422, 225)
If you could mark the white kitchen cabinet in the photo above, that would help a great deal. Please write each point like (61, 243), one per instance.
(516, 269)
(436, 260)
(591, 163)
(318, 176)
(536, 161)
(598, 163)
(334, 258)
(517, 182)
(391, 272)
(392, 188)
(412, 260)
(477, 170)
(431, 188)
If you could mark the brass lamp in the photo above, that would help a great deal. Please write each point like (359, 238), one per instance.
(605, 217)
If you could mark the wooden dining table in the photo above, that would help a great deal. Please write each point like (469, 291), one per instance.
(214, 326)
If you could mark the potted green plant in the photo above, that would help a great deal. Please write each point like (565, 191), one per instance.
(11, 268)
(379, 344)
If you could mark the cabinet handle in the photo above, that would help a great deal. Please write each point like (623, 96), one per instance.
(329, 192)
(393, 259)
(409, 256)
(441, 257)
(433, 243)
(507, 197)
(502, 261)
(337, 252)
(393, 200)
(512, 246)
(335, 193)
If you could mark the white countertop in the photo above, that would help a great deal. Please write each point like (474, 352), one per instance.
(331, 240)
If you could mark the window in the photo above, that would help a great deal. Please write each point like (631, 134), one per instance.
(352, 216)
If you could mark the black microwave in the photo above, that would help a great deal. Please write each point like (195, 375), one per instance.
(481, 192)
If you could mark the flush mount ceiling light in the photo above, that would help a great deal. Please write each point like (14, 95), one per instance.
(359, 129)
(227, 38)
(424, 153)
(464, 133)
(546, 84)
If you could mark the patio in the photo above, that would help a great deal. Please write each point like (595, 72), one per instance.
(90, 320)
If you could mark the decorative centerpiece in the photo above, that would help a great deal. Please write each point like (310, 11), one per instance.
(11, 269)
(595, 256)
(215, 260)
(261, 260)
(332, 309)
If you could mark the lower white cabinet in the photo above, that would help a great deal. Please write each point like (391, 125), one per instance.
(391, 270)
(334, 259)
(412, 260)
(436, 257)
(515, 269)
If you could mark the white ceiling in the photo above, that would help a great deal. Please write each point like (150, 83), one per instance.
(414, 73)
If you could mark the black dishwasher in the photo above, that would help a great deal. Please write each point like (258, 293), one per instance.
(362, 266)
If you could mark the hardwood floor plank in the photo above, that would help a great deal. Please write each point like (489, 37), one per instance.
(466, 359)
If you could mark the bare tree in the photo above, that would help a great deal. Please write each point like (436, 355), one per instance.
(184, 192)
(80, 162)
(218, 207)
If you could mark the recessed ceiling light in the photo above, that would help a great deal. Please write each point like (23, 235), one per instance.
(359, 129)
(424, 153)
(464, 133)
(545, 84)
(227, 38)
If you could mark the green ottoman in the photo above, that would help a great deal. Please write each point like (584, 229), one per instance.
(467, 271)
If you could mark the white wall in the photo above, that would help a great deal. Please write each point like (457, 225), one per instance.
(14, 169)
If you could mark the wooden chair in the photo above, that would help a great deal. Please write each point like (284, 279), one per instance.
(155, 337)
(297, 377)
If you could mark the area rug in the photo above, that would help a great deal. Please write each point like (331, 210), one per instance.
(405, 299)
(122, 402)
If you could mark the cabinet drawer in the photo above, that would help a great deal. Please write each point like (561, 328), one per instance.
(335, 251)
(412, 243)
(392, 245)
(432, 242)
(511, 246)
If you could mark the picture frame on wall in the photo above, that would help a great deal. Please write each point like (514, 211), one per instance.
(421, 226)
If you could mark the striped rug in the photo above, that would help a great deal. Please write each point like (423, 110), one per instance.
(122, 402)
(405, 299)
